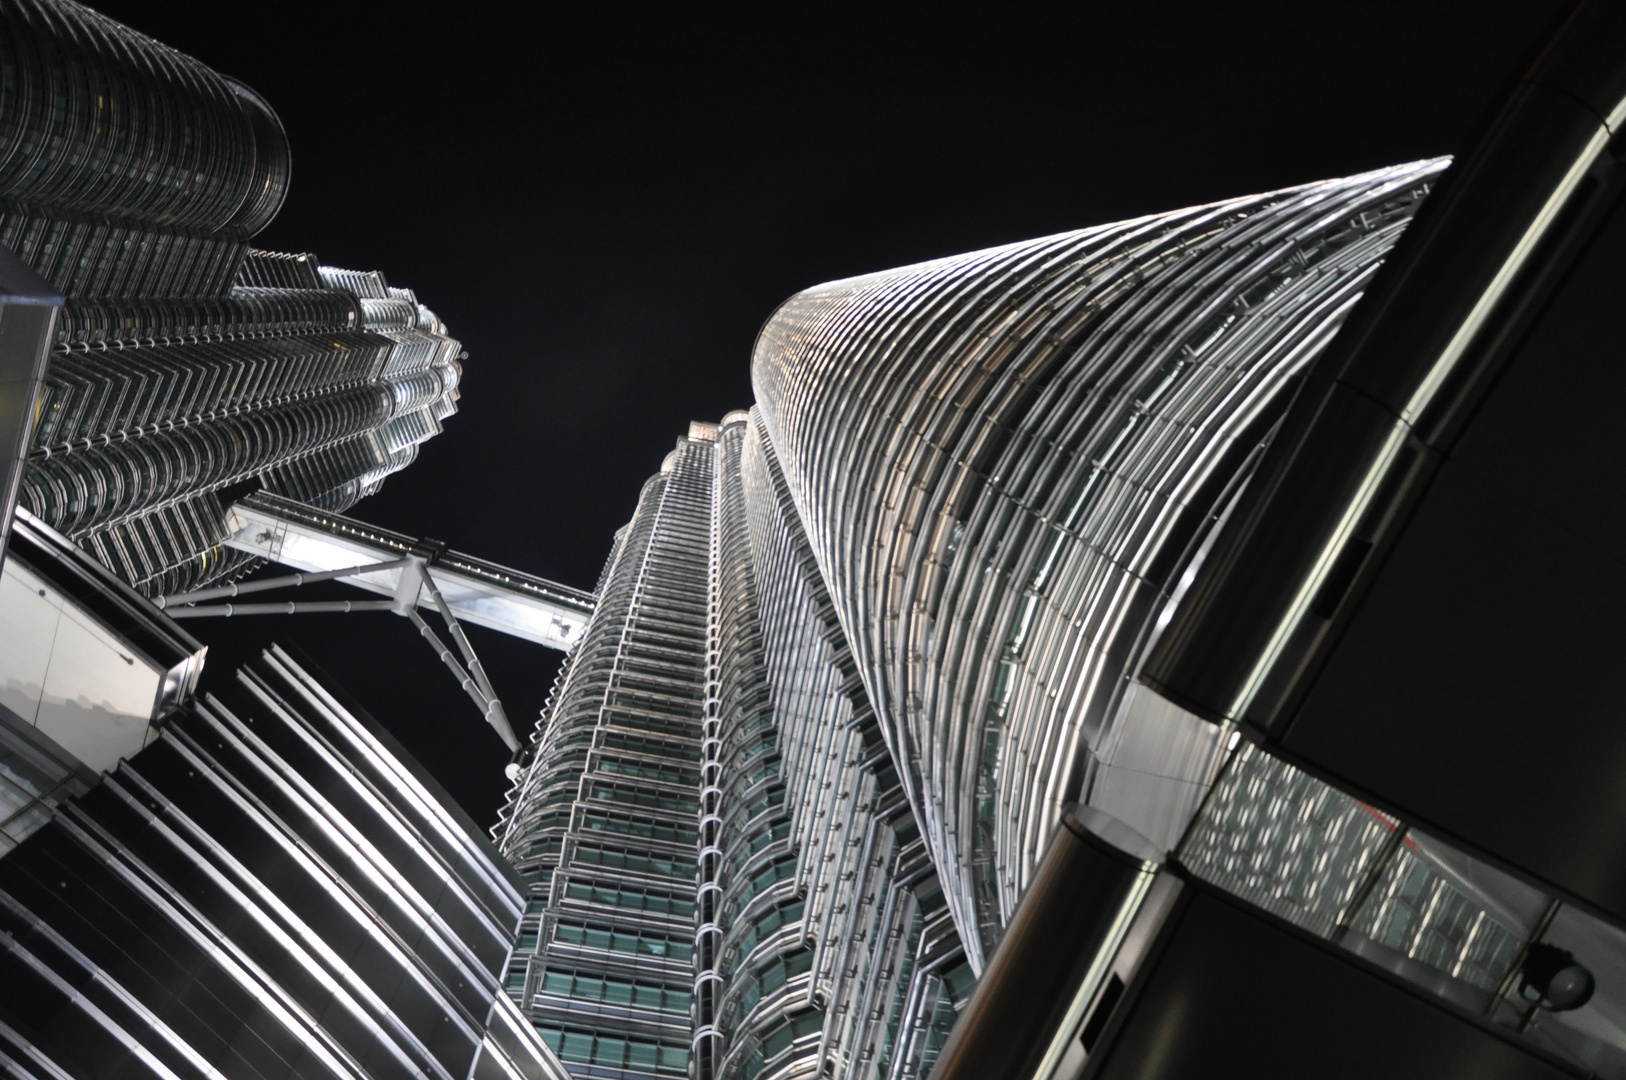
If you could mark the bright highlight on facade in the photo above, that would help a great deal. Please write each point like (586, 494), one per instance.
(860, 650)
(1006, 460)
(955, 712)
(258, 883)
(1178, 647)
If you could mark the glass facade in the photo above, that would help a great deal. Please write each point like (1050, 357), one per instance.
(904, 603)
(980, 490)
(858, 654)
(602, 826)
(725, 876)
(1413, 904)
(886, 970)
(920, 580)
(127, 168)
(149, 411)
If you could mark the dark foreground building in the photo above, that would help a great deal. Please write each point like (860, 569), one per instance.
(1178, 648)
(184, 367)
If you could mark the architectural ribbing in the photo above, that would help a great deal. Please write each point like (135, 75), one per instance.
(132, 178)
(603, 823)
(1002, 461)
(267, 890)
(913, 586)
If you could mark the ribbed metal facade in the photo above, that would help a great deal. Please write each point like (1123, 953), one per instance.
(131, 178)
(915, 583)
(312, 392)
(885, 968)
(127, 169)
(1003, 461)
(267, 890)
(710, 822)
(603, 824)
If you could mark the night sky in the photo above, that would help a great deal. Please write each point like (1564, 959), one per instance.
(604, 211)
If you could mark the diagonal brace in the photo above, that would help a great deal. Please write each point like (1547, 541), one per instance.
(237, 589)
(455, 628)
(473, 679)
(495, 716)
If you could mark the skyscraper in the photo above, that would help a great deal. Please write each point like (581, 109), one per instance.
(184, 364)
(1176, 647)
(854, 622)
(1077, 662)
(1003, 461)
(256, 884)
(605, 831)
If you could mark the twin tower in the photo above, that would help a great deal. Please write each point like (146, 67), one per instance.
(1139, 652)
(1181, 647)
(185, 367)
(1170, 649)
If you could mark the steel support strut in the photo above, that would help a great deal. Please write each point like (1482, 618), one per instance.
(285, 607)
(476, 669)
(414, 579)
(489, 705)
(266, 584)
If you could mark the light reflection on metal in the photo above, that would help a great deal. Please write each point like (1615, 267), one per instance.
(183, 361)
(935, 556)
(484, 697)
(1450, 924)
(286, 607)
(601, 822)
(1006, 460)
(263, 584)
(412, 578)
(291, 864)
(28, 316)
(306, 538)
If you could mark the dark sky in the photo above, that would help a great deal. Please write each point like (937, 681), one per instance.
(604, 212)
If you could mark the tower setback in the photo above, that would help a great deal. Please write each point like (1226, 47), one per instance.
(186, 366)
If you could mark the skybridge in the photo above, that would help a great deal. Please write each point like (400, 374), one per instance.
(411, 574)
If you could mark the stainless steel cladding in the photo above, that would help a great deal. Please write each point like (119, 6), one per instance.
(267, 889)
(856, 651)
(839, 950)
(151, 408)
(1006, 460)
(131, 178)
(725, 874)
(127, 168)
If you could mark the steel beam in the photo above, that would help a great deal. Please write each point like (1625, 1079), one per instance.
(485, 594)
